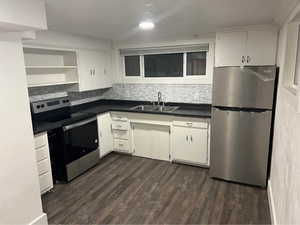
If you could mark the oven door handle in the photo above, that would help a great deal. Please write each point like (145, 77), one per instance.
(81, 123)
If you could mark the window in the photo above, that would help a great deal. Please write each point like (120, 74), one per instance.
(132, 65)
(164, 65)
(196, 63)
(292, 58)
(182, 62)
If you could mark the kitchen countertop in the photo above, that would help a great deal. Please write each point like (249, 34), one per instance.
(103, 106)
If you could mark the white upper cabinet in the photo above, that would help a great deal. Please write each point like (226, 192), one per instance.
(246, 48)
(261, 47)
(93, 70)
(230, 48)
(16, 15)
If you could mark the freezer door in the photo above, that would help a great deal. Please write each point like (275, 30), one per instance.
(240, 145)
(248, 87)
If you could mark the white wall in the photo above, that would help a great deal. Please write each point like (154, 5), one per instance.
(285, 170)
(20, 201)
(22, 15)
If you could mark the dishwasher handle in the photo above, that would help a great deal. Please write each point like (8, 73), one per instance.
(81, 123)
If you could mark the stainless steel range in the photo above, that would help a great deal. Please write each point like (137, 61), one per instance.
(73, 143)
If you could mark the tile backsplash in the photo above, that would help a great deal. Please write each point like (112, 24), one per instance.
(193, 93)
(170, 92)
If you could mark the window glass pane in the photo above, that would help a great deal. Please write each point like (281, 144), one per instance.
(196, 63)
(132, 65)
(164, 65)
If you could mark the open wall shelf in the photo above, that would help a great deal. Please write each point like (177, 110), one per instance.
(46, 67)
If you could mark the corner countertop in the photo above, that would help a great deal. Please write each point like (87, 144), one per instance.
(103, 106)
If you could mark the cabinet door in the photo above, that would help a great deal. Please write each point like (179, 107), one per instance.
(105, 134)
(160, 142)
(94, 68)
(261, 47)
(190, 145)
(151, 141)
(180, 144)
(230, 48)
(198, 146)
(86, 64)
(107, 71)
(98, 72)
(102, 70)
(142, 140)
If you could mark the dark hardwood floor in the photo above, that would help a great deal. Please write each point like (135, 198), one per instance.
(131, 190)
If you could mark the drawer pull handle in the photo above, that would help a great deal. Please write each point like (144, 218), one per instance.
(121, 145)
(189, 124)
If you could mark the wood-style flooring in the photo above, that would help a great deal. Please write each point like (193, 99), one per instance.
(130, 190)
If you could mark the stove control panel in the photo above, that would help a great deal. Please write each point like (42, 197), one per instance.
(48, 105)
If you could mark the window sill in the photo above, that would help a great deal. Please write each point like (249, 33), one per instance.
(292, 89)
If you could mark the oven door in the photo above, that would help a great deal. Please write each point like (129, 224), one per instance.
(80, 139)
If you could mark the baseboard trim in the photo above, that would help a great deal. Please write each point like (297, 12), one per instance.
(41, 220)
(271, 204)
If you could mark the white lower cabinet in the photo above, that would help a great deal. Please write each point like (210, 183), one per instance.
(105, 134)
(179, 139)
(151, 141)
(43, 162)
(190, 142)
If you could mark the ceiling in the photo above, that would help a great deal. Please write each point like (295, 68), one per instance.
(175, 19)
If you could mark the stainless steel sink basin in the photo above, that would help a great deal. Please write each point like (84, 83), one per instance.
(155, 108)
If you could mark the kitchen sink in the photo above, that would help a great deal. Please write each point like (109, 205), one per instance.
(155, 108)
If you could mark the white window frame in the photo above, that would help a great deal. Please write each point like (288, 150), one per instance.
(291, 56)
(290, 36)
(186, 79)
(184, 71)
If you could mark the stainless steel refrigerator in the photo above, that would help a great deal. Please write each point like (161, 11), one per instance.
(241, 123)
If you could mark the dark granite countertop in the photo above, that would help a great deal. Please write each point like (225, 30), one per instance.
(102, 106)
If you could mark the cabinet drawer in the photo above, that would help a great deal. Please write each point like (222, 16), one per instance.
(122, 145)
(44, 166)
(119, 118)
(40, 140)
(121, 134)
(119, 125)
(42, 153)
(203, 125)
(45, 181)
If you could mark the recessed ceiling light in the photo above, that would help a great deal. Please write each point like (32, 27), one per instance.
(146, 25)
